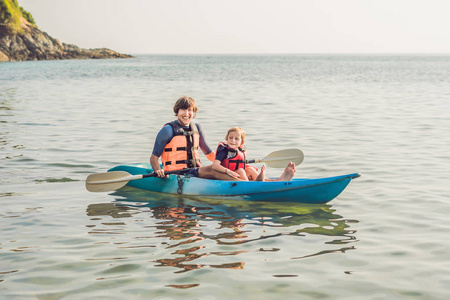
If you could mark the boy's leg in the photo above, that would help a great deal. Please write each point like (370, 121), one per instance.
(288, 173)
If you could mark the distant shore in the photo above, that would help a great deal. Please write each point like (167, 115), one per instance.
(34, 44)
(21, 40)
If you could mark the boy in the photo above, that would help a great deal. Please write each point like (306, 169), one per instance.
(178, 142)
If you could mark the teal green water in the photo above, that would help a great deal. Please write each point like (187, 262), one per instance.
(385, 237)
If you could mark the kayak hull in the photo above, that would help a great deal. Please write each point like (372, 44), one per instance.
(300, 190)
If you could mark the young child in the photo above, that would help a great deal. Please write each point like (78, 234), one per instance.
(232, 154)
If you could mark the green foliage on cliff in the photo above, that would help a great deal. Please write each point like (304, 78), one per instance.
(10, 16)
(27, 16)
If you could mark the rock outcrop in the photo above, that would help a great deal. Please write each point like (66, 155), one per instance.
(29, 43)
(34, 44)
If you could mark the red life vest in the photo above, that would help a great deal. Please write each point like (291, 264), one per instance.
(182, 150)
(235, 159)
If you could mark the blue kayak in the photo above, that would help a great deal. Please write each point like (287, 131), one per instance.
(300, 190)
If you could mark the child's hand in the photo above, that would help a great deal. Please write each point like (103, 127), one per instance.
(233, 174)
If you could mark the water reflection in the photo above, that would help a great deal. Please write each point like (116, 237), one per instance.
(186, 227)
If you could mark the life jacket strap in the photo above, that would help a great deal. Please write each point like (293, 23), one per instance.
(185, 161)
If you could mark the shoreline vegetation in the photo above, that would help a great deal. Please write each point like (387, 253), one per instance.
(21, 39)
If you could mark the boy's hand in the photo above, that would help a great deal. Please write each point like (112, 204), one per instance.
(160, 173)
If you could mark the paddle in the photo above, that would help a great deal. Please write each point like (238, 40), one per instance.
(280, 158)
(110, 181)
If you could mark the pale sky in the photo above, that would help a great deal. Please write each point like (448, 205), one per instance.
(247, 26)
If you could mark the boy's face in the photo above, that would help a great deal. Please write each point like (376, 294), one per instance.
(234, 140)
(185, 116)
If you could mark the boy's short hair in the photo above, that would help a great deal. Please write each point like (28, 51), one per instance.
(185, 102)
(238, 130)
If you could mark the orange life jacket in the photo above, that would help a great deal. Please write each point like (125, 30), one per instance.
(235, 158)
(182, 150)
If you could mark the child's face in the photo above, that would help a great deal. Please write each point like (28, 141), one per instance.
(234, 140)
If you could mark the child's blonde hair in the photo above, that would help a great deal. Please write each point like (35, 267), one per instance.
(240, 131)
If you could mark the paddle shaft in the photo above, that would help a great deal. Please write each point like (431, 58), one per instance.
(134, 177)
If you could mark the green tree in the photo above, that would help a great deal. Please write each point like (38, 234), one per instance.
(10, 16)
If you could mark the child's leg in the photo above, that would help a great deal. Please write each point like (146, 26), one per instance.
(262, 174)
(242, 174)
(251, 173)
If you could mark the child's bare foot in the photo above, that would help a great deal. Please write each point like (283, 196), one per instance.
(262, 174)
(288, 173)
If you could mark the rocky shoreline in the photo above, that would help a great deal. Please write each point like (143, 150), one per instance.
(34, 44)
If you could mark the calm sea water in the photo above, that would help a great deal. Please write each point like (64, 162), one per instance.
(385, 237)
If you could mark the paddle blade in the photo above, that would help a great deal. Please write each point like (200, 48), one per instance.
(280, 159)
(105, 182)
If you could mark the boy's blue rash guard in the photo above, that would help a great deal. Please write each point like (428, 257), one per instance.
(165, 135)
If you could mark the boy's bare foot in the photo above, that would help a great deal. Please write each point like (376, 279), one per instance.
(262, 174)
(288, 173)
